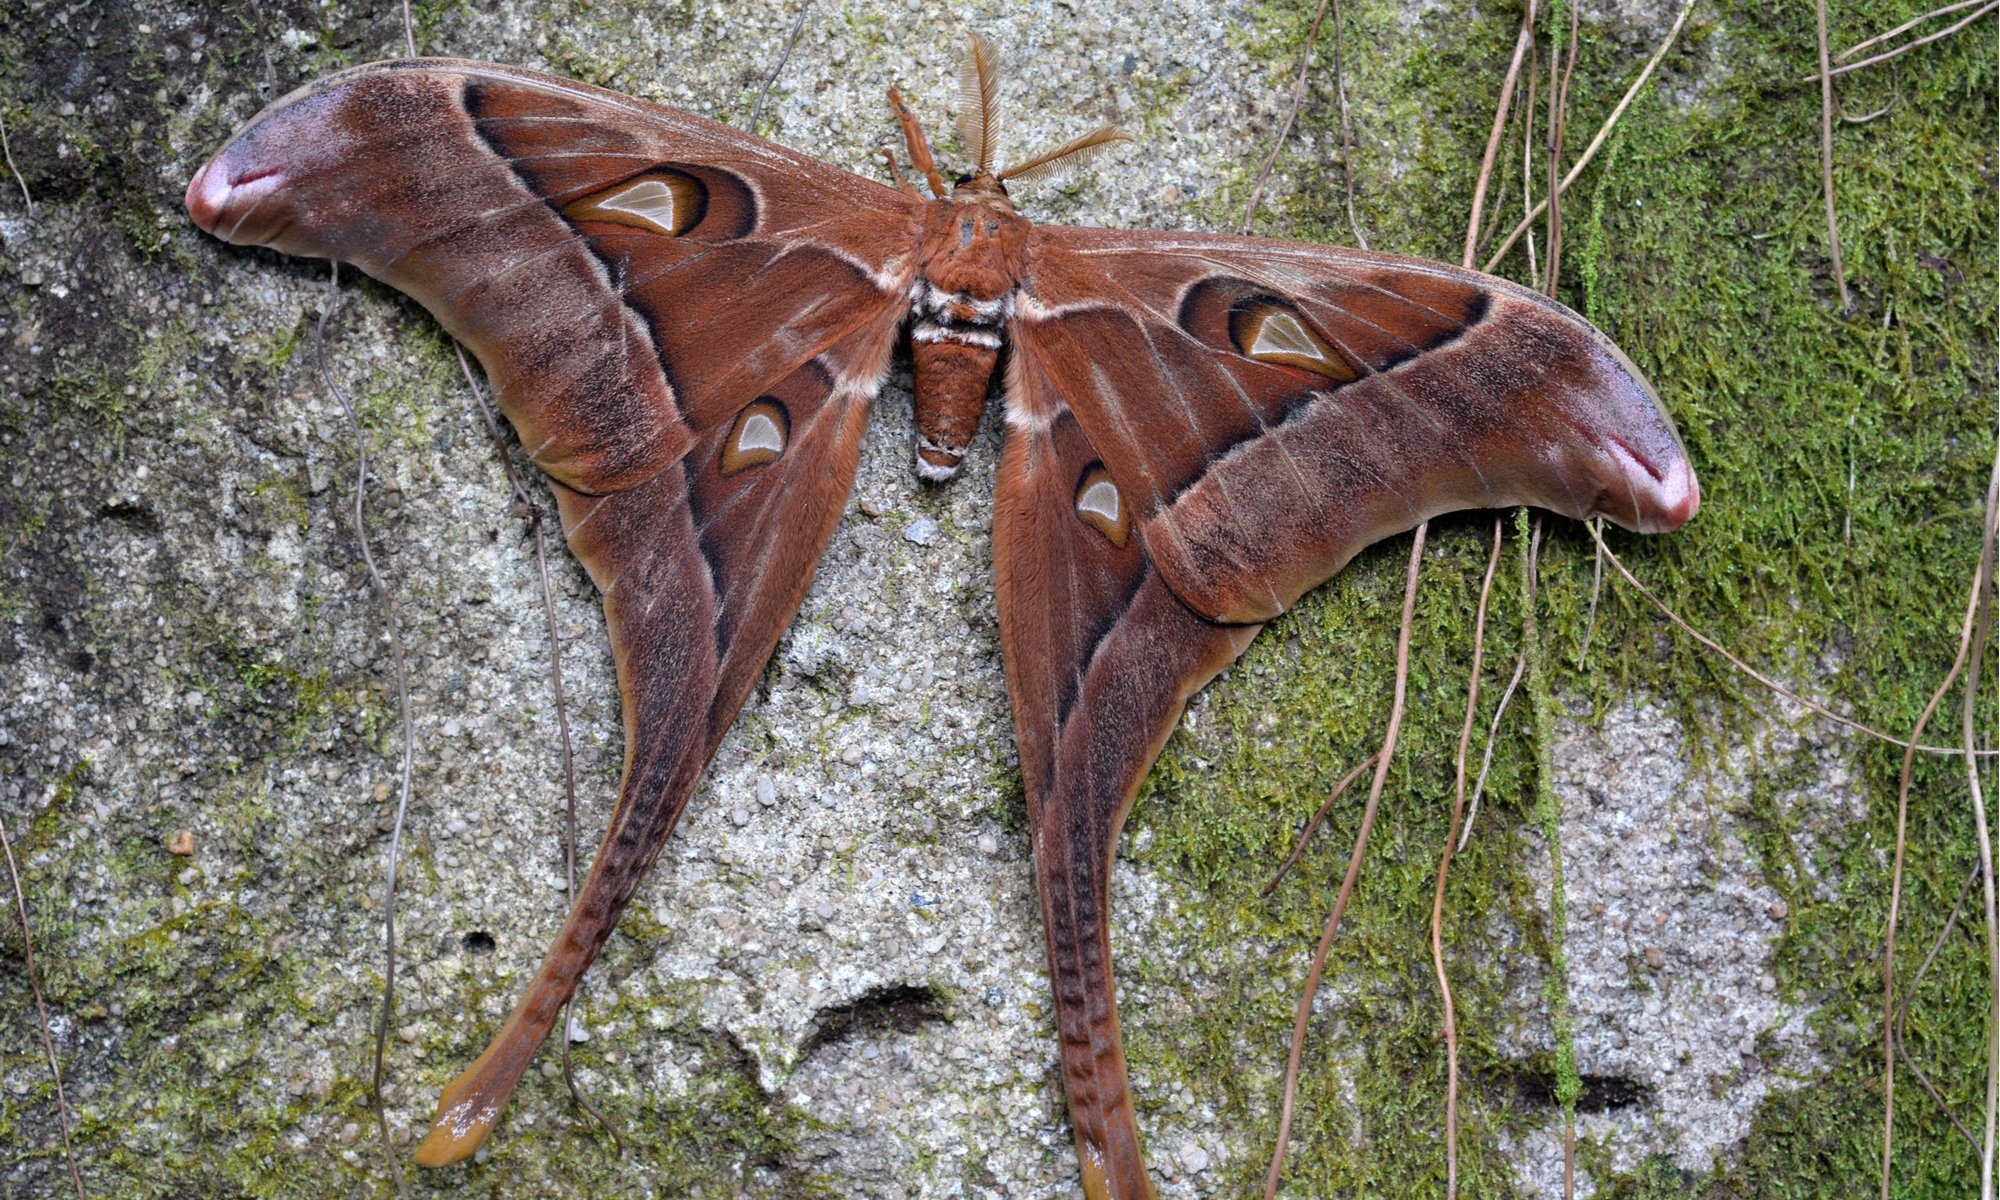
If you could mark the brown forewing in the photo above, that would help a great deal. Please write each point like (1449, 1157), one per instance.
(1254, 480)
(610, 348)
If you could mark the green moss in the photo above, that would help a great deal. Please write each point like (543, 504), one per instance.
(397, 403)
(275, 348)
(96, 391)
(284, 495)
(1697, 241)
(17, 538)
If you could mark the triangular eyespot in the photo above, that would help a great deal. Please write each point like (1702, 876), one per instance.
(759, 436)
(1100, 506)
(1271, 331)
(661, 201)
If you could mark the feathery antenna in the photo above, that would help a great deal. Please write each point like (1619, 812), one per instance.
(978, 102)
(1070, 153)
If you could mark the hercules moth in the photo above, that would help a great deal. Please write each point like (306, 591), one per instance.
(686, 325)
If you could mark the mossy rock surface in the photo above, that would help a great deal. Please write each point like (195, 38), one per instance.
(833, 984)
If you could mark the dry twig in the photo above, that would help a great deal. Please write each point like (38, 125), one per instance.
(1347, 146)
(532, 512)
(1596, 594)
(1558, 119)
(1604, 131)
(1492, 735)
(791, 40)
(1558, 123)
(387, 600)
(1969, 717)
(1905, 27)
(1305, 835)
(41, 1010)
(7, 152)
(1986, 10)
(1508, 86)
(1291, 116)
(1444, 872)
(1453, 839)
(1972, 605)
(1528, 205)
(1387, 753)
(1903, 1009)
(1826, 159)
(1768, 682)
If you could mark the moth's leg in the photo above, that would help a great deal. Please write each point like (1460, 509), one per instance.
(1136, 686)
(896, 173)
(920, 150)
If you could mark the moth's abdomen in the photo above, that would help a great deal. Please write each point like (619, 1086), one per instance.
(955, 345)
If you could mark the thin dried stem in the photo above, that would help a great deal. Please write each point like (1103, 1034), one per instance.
(1826, 159)
(1906, 47)
(41, 1010)
(1596, 594)
(1444, 873)
(1603, 132)
(1508, 86)
(1346, 130)
(387, 600)
(1873, 115)
(1305, 836)
(1969, 717)
(1768, 682)
(1905, 27)
(1903, 1008)
(1454, 840)
(1528, 164)
(1972, 604)
(1497, 205)
(1558, 123)
(1558, 126)
(7, 152)
(1492, 734)
(1291, 116)
(1386, 755)
(409, 29)
(533, 513)
(784, 56)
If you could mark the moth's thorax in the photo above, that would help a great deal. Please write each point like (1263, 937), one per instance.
(974, 242)
(974, 249)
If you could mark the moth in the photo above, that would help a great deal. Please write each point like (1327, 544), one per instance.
(686, 325)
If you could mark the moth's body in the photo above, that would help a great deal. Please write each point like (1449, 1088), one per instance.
(973, 257)
(686, 325)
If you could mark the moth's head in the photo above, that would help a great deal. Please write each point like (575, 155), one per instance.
(983, 188)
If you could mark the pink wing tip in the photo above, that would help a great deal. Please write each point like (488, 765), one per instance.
(211, 194)
(1680, 496)
(1663, 497)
